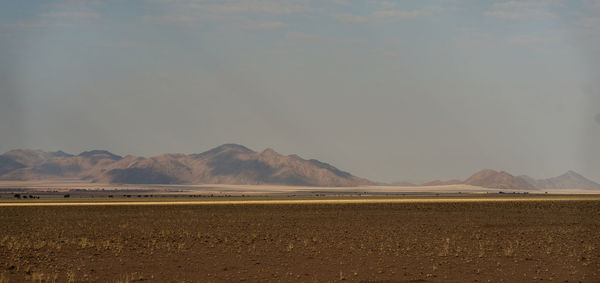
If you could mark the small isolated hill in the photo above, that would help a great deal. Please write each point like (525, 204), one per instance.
(569, 180)
(225, 164)
(499, 180)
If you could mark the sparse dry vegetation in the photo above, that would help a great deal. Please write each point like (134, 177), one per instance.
(467, 241)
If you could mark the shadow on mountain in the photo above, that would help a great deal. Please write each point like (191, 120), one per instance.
(140, 176)
(228, 164)
(7, 164)
(57, 169)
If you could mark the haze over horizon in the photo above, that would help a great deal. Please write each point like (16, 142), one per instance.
(387, 90)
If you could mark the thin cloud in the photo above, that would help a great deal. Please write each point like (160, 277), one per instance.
(392, 15)
(246, 6)
(73, 15)
(388, 4)
(525, 4)
(263, 26)
(341, 2)
(34, 25)
(469, 38)
(593, 5)
(348, 18)
(522, 10)
(120, 44)
(388, 15)
(590, 23)
(587, 33)
(169, 19)
(79, 5)
(302, 36)
(56, 19)
(530, 40)
(520, 15)
(387, 52)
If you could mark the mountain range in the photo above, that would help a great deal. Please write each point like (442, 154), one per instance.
(225, 164)
(233, 164)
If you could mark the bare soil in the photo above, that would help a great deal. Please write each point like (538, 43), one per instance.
(549, 240)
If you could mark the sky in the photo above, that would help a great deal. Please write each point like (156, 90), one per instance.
(387, 90)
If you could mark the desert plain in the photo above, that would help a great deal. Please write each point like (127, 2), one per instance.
(278, 233)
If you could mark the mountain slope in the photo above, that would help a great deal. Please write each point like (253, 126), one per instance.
(225, 164)
(569, 180)
(38, 164)
(8, 164)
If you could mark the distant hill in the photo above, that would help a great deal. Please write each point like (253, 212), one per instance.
(569, 180)
(500, 180)
(225, 164)
(488, 178)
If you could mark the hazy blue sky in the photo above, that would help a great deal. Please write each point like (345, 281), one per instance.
(388, 90)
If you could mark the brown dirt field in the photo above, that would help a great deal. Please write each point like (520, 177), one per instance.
(525, 241)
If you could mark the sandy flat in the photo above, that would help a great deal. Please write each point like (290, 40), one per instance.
(312, 201)
(62, 185)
